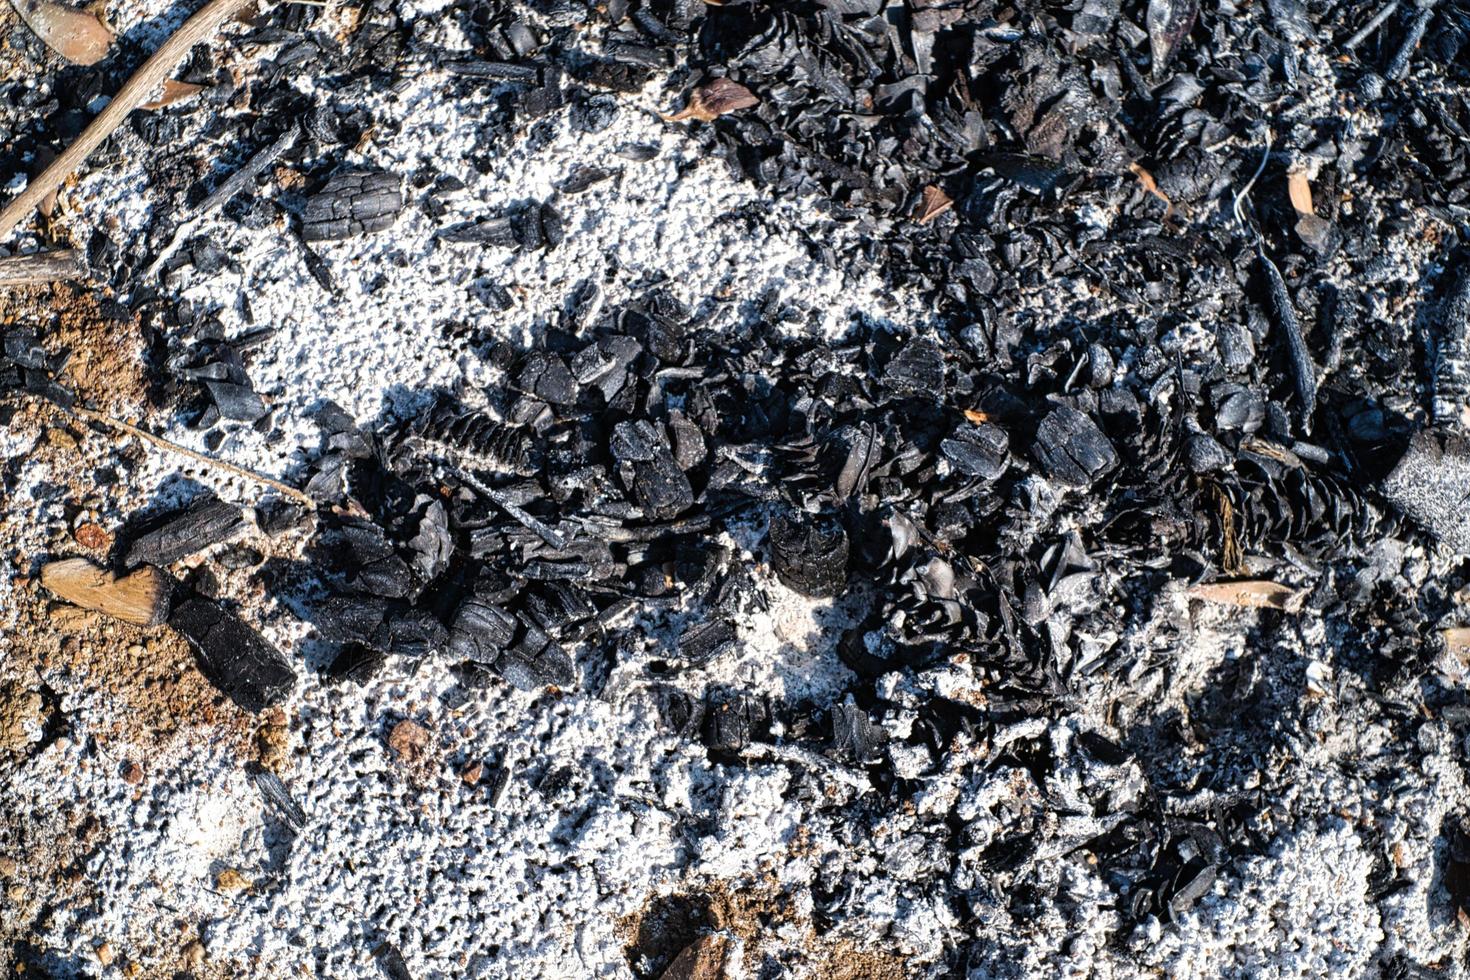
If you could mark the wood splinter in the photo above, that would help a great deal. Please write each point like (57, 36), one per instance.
(43, 267)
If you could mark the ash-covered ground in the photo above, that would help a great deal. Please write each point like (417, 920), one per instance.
(844, 489)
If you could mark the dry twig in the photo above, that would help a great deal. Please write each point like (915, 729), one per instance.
(137, 90)
(118, 425)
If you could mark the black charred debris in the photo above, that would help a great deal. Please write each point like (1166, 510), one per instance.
(1015, 487)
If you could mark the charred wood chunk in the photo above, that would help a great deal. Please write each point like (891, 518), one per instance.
(236, 659)
(238, 403)
(647, 467)
(977, 450)
(480, 631)
(351, 204)
(701, 644)
(732, 721)
(917, 369)
(1071, 449)
(1430, 485)
(356, 663)
(536, 662)
(181, 534)
(809, 553)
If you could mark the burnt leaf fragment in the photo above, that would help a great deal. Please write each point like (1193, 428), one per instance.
(1169, 23)
(352, 203)
(236, 659)
(854, 737)
(714, 99)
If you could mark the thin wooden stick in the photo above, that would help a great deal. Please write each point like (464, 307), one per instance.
(118, 425)
(29, 270)
(134, 93)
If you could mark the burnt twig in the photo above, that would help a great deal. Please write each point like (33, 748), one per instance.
(1398, 67)
(134, 93)
(221, 195)
(1303, 372)
(41, 267)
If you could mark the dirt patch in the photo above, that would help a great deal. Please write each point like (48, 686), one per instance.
(104, 341)
(150, 674)
(669, 924)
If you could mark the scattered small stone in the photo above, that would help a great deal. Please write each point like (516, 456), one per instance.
(132, 773)
(232, 882)
(408, 740)
(92, 536)
(472, 773)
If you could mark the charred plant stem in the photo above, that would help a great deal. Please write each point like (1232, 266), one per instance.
(134, 93)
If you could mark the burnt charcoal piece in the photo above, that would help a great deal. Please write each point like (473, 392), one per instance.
(1452, 353)
(854, 737)
(370, 564)
(917, 369)
(978, 450)
(432, 545)
(480, 631)
(234, 657)
(731, 722)
(1457, 866)
(648, 470)
(1303, 372)
(809, 553)
(239, 403)
(1430, 485)
(356, 663)
(202, 524)
(1071, 449)
(354, 203)
(536, 662)
(701, 644)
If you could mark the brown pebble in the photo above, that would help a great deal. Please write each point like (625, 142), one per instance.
(93, 536)
(132, 773)
(230, 880)
(408, 740)
(105, 954)
(471, 773)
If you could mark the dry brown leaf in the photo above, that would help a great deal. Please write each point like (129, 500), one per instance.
(714, 99)
(934, 203)
(139, 597)
(1146, 179)
(173, 91)
(703, 959)
(1300, 191)
(1253, 593)
(79, 37)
